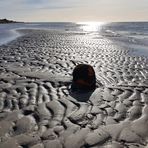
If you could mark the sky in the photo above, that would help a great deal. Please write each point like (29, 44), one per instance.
(74, 10)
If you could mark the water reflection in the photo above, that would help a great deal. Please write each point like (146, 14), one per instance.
(91, 26)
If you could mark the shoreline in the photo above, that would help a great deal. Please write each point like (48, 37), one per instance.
(38, 109)
(11, 35)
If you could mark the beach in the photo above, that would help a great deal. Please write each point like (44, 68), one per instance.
(38, 109)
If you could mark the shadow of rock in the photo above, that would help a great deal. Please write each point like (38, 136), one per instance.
(81, 96)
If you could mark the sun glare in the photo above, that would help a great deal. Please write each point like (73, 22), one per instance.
(90, 26)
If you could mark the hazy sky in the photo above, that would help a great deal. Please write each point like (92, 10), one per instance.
(74, 10)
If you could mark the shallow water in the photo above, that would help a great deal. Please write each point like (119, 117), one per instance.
(8, 31)
(133, 35)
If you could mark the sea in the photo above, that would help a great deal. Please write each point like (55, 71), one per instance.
(131, 35)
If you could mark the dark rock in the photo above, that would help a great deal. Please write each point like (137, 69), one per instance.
(83, 78)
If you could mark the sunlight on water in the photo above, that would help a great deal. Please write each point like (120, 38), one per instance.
(91, 26)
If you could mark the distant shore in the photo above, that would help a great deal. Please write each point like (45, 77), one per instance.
(6, 21)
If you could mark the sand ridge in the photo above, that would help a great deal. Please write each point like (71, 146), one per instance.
(38, 109)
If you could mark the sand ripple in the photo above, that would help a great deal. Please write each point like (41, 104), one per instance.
(37, 108)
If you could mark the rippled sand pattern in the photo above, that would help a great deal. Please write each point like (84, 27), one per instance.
(38, 110)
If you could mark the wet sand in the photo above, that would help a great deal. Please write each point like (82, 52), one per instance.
(38, 109)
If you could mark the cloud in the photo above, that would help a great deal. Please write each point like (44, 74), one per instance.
(38, 4)
(73, 9)
(21, 9)
(48, 4)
